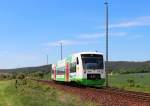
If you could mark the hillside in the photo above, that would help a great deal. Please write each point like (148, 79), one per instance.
(114, 66)
(44, 68)
(129, 67)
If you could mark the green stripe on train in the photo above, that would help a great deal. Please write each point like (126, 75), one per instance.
(90, 82)
(60, 79)
(87, 82)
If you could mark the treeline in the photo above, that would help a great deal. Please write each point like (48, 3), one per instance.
(125, 67)
(44, 72)
(27, 72)
(34, 72)
(43, 68)
(6, 76)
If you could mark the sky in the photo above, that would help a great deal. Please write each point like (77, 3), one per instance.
(32, 29)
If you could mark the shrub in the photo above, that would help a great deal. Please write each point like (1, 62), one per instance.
(21, 76)
(131, 82)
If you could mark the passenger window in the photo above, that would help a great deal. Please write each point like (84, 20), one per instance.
(77, 60)
(72, 67)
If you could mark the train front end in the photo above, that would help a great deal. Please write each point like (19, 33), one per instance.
(93, 69)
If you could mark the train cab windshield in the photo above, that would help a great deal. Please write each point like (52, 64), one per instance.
(92, 61)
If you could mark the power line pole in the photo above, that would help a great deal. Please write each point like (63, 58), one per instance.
(47, 59)
(106, 4)
(61, 50)
(47, 64)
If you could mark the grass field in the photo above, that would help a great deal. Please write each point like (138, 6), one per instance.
(31, 93)
(135, 82)
(35, 94)
(140, 81)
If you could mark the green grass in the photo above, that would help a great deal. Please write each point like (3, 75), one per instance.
(141, 81)
(36, 94)
(5, 100)
(47, 76)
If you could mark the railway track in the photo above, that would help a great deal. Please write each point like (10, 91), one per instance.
(106, 95)
(136, 95)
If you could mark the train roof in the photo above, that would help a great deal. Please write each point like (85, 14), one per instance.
(79, 53)
(87, 53)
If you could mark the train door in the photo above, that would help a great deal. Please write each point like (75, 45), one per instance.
(73, 70)
(67, 71)
(77, 67)
(54, 72)
(79, 71)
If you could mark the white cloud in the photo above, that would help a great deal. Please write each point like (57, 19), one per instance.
(26, 57)
(118, 34)
(72, 42)
(135, 37)
(137, 22)
(84, 39)
(98, 35)
(64, 42)
(2, 53)
(92, 35)
(20, 60)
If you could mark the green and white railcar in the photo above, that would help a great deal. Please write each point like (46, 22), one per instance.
(86, 68)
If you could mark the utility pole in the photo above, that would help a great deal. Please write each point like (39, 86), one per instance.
(106, 4)
(47, 64)
(61, 50)
(47, 59)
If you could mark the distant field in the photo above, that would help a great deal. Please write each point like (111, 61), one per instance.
(141, 81)
(135, 82)
(36, 94)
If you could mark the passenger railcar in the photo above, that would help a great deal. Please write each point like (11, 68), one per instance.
(86, 68)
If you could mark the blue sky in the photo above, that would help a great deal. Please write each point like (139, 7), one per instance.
(31, 29)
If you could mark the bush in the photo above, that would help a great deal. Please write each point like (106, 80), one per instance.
(131, 82)
(5, 76)
(21, 76)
